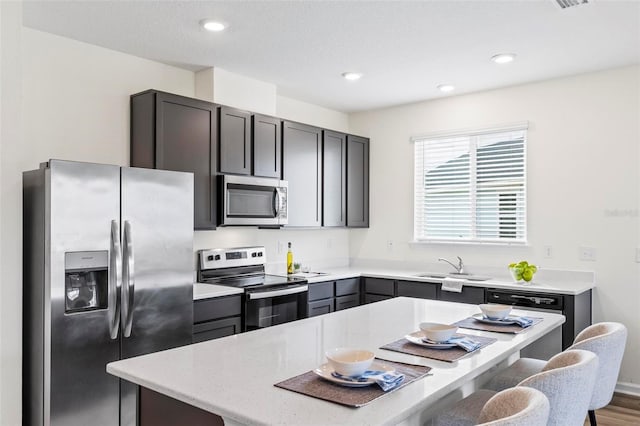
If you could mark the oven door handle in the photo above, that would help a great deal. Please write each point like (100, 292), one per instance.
(276, 293)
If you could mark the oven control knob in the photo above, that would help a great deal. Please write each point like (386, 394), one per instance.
(259, 254)
(210, 258)
(254, 254)
(217, 257)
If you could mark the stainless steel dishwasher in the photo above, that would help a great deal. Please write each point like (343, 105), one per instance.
(551, 343)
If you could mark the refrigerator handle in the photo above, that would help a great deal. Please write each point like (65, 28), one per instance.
(115, 277)
(129, 280)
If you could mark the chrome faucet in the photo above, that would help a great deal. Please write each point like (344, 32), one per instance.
(459, 268)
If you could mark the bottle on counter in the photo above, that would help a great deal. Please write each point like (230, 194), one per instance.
(289, 260)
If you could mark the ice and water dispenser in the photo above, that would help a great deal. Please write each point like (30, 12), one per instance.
(86, 280)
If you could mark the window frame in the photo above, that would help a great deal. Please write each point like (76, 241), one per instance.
(473, 189)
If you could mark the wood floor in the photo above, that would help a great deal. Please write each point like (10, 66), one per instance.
(624, 410)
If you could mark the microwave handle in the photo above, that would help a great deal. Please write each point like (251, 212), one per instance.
(276, 202)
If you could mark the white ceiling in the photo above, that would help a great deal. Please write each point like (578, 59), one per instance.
(403, 48)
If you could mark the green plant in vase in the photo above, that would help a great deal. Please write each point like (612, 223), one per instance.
(522, 271)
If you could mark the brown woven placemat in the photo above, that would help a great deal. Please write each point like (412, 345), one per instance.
(447, 355)
(312, 385)
(474, 324)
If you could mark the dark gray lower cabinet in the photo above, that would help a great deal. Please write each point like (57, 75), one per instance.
(216, 317)
(321, 298)
(320, 307)
(330, 296)
(376, 289)
(421, 290)
(473, 295)
(345, 302)
(215, 329)
(370, 298)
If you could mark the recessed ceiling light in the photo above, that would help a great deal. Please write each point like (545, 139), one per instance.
(503, 58)
(211, 25)
(446, 87)
(349, 75)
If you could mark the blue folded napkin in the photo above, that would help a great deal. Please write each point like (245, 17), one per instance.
(386, 380)
(464, 342)
(523, 322)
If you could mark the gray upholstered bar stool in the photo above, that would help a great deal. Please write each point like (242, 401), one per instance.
(605, 339)
(567, 381)
(520, 406)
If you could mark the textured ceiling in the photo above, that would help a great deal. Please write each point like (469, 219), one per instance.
(403, 48)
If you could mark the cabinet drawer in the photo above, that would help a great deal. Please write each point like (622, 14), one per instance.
(348, 286)
(379, 286)
(370, 298)
(420, 290)
(473, 295)
(320, 307)
(215, 308)
(319, 291)
(216, 329)
(345, 302)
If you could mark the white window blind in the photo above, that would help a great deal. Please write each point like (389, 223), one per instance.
(471, 187)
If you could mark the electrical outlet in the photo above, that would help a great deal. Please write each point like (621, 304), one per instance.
(280, 247)
(548, 252)
(390, 245)
(588, 254)
(638, 255)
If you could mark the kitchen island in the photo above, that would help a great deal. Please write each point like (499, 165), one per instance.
(234, 377)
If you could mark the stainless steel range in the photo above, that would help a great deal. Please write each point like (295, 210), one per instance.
(268, 299)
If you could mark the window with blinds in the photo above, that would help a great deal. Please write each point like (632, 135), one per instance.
(471, 187)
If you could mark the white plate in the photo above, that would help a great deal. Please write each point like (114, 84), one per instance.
(480, 317)
(325, 371)
(417, 336)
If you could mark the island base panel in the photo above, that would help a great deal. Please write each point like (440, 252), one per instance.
(156, 409)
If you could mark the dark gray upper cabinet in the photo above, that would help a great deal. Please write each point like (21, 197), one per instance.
(302, 168)
(357, 182)
(334, 172)
(173, 132)
(267, 143)
(235, 141)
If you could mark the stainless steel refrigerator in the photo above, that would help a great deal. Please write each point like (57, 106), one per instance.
(108, 273)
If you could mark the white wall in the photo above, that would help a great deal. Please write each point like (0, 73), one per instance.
(10, 295)
(583, 162)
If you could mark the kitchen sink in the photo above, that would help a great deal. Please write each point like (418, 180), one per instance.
(469, 277)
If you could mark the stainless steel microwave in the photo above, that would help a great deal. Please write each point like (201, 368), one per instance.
(250, 200)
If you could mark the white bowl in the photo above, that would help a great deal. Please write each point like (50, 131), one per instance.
(350, 362)
(494, 311)
(438, 332)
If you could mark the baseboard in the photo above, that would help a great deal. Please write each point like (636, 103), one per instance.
(628, 388)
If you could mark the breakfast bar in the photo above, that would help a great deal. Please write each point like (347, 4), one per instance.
(233, 378)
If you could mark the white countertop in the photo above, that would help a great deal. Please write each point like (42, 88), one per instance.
(207, 291)
(566, 286)
(560, 282)
(234, 376)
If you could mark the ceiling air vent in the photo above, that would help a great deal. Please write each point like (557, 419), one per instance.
(564, 4)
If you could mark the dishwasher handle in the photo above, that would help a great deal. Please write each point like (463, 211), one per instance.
(542, 301)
